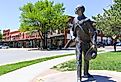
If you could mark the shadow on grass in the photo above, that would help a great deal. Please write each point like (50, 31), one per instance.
(99, 78)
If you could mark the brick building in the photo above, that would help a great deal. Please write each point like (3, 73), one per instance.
(20, 39)
(17, 39)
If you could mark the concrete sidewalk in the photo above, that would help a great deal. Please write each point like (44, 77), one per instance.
(26, 74)
(70, 76)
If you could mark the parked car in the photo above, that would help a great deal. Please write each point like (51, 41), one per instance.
(118, 44)
(0, 46)
(100, 44)
(4, 47)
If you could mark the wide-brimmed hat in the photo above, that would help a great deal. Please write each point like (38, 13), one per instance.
(91, 53)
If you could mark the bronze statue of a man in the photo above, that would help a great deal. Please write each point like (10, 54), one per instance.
(85, 38)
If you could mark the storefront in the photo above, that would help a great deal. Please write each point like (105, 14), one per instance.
(56, 41)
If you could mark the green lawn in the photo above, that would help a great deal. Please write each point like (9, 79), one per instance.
(105, 61)
(101, 50)
(12, 67)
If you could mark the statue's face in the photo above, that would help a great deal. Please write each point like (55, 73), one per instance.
(94, 24)
(79, 12)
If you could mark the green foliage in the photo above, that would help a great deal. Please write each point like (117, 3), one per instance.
(106, 61)
(110, 21)
(43, 16)
(0, 35)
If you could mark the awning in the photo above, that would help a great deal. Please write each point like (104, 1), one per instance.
(55, 35)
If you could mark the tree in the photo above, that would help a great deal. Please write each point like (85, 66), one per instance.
(42, 16)
(110, 21)
(0, 35)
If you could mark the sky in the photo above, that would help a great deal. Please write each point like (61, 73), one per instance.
(10, 13)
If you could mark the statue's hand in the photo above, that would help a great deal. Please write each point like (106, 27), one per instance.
(94, 46)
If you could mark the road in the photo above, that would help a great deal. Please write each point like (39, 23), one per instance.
(111, 48)
(8, 56)
(16, 55)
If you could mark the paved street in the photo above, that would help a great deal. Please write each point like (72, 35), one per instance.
(111, 48)
(17, 55)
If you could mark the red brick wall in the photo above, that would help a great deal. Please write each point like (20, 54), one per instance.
(17, 35)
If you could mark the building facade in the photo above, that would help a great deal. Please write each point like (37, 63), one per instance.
(55, 39)
(17, 39)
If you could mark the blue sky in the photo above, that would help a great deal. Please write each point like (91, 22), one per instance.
(10, 13)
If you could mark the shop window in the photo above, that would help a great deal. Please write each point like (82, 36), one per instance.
(68, 31)
(62, 31)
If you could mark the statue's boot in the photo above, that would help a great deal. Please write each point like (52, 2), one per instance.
(88, 75)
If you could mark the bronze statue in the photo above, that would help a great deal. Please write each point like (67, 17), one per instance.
(85, 38)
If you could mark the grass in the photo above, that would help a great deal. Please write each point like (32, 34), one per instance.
(12, 67)
(101, 50)
(105, 61)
